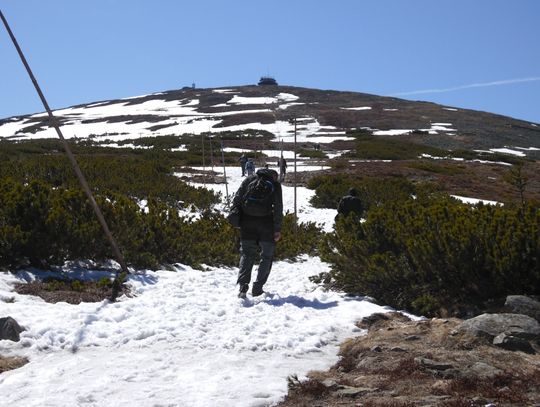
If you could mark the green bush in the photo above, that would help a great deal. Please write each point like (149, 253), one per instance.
(330, 188)
(139, 174)
(435, 256)
(369, 147)
(303, 238)
(42, 225)
(312, 153)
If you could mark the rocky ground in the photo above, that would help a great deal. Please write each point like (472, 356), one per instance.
(402, 363)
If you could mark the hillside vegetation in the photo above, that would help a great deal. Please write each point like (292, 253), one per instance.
(417, 250)
(46, 219)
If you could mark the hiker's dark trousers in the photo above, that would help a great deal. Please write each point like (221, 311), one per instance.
(248, 253)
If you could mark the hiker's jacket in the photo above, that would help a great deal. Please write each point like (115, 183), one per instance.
(349, 204)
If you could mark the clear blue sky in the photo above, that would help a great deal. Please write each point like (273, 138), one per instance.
(477, 54)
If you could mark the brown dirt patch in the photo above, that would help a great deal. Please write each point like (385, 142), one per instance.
(409, 363)
(72, 292)
(10, 363)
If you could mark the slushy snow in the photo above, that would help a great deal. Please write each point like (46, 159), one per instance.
(184, 338)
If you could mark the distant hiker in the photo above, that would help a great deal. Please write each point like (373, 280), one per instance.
(350, 204)
(282, 168)
(243, 160)
(250, 167)
(260, 202)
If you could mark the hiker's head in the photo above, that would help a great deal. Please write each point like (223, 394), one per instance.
(352, 192)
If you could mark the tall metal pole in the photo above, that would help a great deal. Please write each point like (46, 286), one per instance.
(203, 163)
(224, 171)
(211, 153)
(82, 180)
(280, 164)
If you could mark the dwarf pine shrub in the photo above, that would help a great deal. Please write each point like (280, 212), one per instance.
(42, 226)
(303, 238)
(329, 189)
(135, 173)
(435, 255)
(371, 147)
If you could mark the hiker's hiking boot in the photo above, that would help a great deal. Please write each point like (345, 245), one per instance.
(243, 290)
(257, 290)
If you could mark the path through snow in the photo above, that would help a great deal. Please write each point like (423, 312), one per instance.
(183, 340)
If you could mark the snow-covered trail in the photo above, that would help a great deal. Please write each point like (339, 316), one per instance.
(184, 339)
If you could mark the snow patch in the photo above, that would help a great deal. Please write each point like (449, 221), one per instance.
(391, 132)
(508, 151)
(224, 90)
(242, 100)
(474, 201)
(356, 108)
(287, 97)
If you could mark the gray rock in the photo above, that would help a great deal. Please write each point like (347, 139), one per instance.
(368, 363)
(520, 304)
(413, 338)
(491, 325)
(513, 343)
(481, 370)
(452, 374)
(329, 383)
(348, 391)
(432, 364)
(10, 329)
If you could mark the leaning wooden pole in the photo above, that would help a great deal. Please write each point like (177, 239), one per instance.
(294, 180)
(53, 122)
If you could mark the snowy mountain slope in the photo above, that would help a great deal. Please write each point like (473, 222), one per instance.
(185, 339)
(326, 114)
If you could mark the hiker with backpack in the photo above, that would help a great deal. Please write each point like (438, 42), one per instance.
(243, 161)
(260, 203)
(250, 167)
(350, 204)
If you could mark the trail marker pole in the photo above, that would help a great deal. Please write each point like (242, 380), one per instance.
(224, 172)
(211, 152)
(82, 180)
(203, 163)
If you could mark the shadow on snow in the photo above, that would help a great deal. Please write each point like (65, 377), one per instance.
(292, 300)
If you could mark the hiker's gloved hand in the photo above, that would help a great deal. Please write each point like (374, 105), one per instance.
(277, 236)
